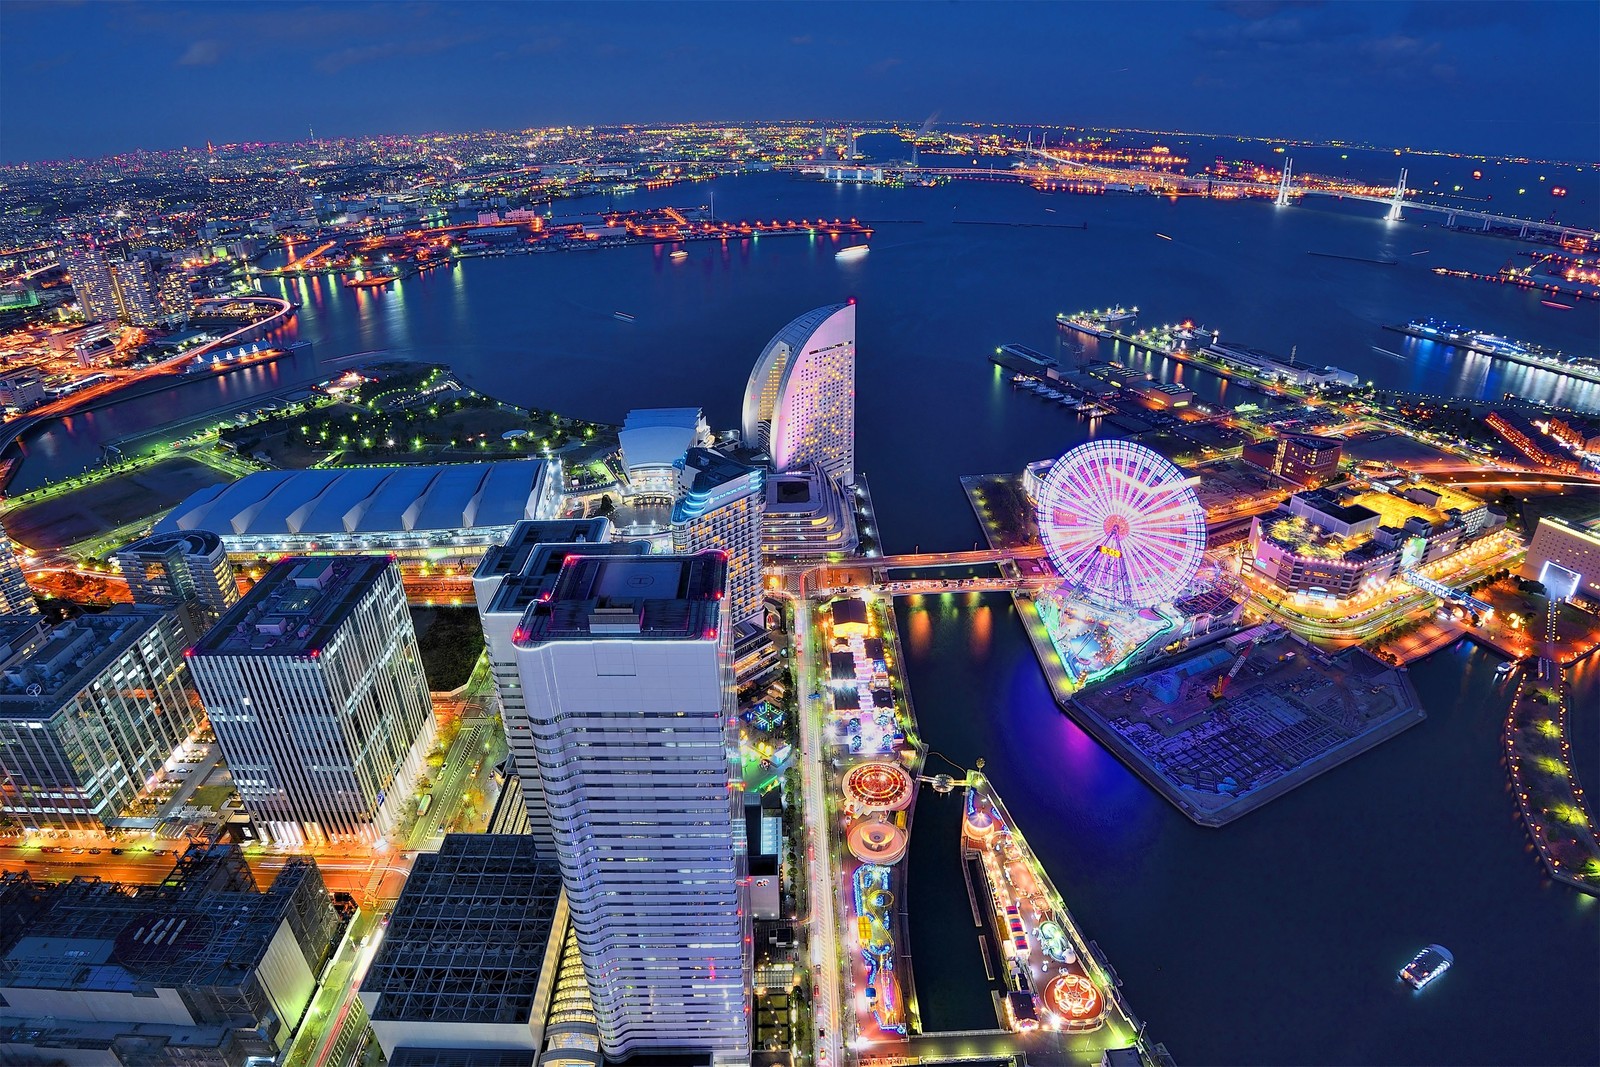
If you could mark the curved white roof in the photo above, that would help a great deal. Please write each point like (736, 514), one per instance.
(659, 437)
(367, 500)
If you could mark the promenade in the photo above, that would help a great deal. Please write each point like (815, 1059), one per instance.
(1549, 796)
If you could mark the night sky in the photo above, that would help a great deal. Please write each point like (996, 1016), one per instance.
(103, 77)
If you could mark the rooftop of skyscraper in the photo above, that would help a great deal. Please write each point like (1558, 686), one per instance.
(528, 535)
(541, 570)
(295, 608)
(637, 598)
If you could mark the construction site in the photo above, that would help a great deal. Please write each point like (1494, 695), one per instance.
(1233, 725)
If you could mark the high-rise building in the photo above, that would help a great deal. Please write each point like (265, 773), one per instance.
(201, 969)
(92, 283)
(719, 506)
(89, 713)
(16, 598)
(800, 403)
(314, 687)
(173, 569)
(626, 673)
(509, 579)
(138, 294)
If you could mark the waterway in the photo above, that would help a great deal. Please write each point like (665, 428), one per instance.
(1274, 940)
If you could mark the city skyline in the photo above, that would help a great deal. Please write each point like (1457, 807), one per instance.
(792, 594)
(1389, 75)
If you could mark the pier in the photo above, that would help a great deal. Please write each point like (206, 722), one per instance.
(1549, 797)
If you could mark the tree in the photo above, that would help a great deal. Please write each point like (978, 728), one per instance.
(607, 507)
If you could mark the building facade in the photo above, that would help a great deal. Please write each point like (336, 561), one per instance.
(21, 389)
(508, 580)
(173, 569)
(89, 713)
(720, 504)
(314, 687)
(800, 402)
(16, 598)
(92, 283)
(1565, 557)
(653, 443)
(626, 673)
(1300, 458)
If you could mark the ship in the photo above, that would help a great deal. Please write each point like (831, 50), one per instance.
(853, 252)
(622, 316)
(1103, 324)
(1426, 965)
(370, 282)
(680, 254)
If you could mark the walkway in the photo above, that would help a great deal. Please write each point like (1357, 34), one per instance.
(1548, 794)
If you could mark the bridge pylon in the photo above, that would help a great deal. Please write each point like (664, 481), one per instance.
(1398, 200)
(1284, 183)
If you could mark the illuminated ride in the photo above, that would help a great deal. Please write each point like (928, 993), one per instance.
(874, 913)
(1121, 524)
(874, 841)
(878, 787)
(1075, 999)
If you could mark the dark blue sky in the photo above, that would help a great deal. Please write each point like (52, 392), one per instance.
(101, 77)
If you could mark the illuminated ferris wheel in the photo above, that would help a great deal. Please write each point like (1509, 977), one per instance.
(1121, 523)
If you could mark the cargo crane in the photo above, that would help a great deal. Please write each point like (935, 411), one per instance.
(1223, 679)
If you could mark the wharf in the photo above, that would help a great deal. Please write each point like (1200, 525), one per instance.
(1180, 354)
(1527, 359)
(1539, 758)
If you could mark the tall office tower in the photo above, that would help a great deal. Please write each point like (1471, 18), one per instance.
(138, 297)
(625, 669)
(314, 687)
(510, 578)
(16, 598)
(174, 295)
(719, 506)
(89, 713)
(92, 282)
(800, 403)
(172, 569)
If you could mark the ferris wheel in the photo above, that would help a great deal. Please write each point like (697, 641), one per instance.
(1121, 523)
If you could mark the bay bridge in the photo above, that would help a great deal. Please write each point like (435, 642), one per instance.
(1284, 192)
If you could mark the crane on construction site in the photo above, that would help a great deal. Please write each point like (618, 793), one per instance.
(1223, 679)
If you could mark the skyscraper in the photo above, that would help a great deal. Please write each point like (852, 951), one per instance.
(720, 502)
(174, 569)
(89, 713)
(625, 669)
(799, 405)
(138, 296)
(92, 283)
(510, 578)
(16, 598)
(314, 686)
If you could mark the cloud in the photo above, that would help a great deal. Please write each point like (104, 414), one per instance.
(206, 53)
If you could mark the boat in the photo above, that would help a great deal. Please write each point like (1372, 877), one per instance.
(370, 282)
(1163, 236)
(1506, 668)
(680, 254)
(622, 316)
(1556, 304)
(1102, 324)
(1426, 965)
(853, 252)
